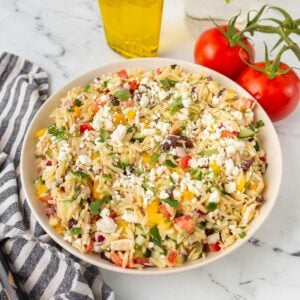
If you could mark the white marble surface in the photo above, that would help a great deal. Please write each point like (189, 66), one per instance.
(66, 38)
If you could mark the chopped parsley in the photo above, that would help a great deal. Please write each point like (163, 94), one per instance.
(156, 238)
(76, 231)
(123, 95)
(171, 202)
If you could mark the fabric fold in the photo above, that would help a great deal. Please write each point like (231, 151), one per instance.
(42, 268)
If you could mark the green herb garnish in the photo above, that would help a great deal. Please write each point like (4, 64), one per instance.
(211, 206)
(155, 157)
(260, 123)
(257, 146)
(81, 175)
(78, 102)
(242, 234)
(123, 95)
(96, 205)
(175, 105)
(197, 174)
(208, 152)
(103, 134)
(76, 231)
(169, 163)
(87, 89)
(156, 238)
(171, 202)
(107, 177)
(58, 133)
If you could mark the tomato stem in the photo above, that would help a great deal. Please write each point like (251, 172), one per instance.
(281, 27)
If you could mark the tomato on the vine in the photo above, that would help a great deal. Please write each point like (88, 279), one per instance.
(220, 49)
(279, 95)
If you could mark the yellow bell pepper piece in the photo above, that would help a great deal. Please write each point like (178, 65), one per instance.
(215, 167)
(187, 195)
(130, 114)
(95, 192)
(76, 111)
(241, 183)
(59, 229)
(156, 219)
(40, 132)
(164, 225)
(146, 158)
(153, 207)
(123, 224)
(41, 190)
(119, 119)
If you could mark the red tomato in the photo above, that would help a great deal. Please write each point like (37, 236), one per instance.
(133, 85)
(172, 256)
(163, 209)
(116, 259)
(48, 198)
(89, 247)
(229, 134)
(185, 223)
(212, 247)
(278, 96)
(129, 104)
(85, 126)
(49, 163)
(141, 260)
(122, 74)
(246, 103)
(95, 107)
(184, 162)
(213, 50)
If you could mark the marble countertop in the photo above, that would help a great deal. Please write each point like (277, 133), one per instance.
(66, 38)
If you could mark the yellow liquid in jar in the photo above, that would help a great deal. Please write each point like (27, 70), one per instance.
(132, 27)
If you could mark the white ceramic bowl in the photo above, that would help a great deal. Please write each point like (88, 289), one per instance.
(268, 136)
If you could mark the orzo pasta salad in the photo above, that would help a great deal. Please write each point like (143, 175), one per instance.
(151, 168)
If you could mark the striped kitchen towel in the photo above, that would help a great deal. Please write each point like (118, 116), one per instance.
(42, 268)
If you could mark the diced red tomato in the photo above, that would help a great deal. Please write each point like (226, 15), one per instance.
(129, 103)
(123, 74)
(85, 126)
(95, 107)
(116, 259)
(133, 85)
(212, 247)
(48, 198)
(247, 103)
(184, 162)
(89, 247)
(113, 214)
(185, 223)
(229, 134)
(164, 210)
(95, 218)
(49, 163)
(172, 256)
(141, 260)
(158, 71)
(263, 159)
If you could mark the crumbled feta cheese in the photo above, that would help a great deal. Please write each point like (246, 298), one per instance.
(129, 216)
(214, 197)
(237, 115)
(64, 150)
(118, 135)
(83, 160)
(163, 195)
(228, 166)
(230, 187)
(105, 212)
(186, 102)
(162, 95)
(144, 100)
(106, 225)
(207, 119)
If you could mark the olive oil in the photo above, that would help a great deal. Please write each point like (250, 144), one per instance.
(132, 27)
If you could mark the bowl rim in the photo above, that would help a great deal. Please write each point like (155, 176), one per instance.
(148, 271)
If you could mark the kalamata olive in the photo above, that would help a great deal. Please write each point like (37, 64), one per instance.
(170, 193)
(247, 163)
(260, 199)
(71, 223)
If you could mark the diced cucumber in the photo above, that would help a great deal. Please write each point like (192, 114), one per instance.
(138, 137)
(246, 133)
